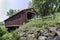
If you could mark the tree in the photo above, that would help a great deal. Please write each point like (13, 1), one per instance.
(45, 7)
(12, 12)
(58, 10)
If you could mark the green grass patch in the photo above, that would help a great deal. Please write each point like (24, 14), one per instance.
(42, 23)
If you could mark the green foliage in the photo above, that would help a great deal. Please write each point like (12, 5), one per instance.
(5, 35)
(57, 17)
(11, 36)
(39, 23)
(45, 7)
(8, 36)
(16, 36)
(58, 10)
(1, 23)
(3, 30)
(12, 12)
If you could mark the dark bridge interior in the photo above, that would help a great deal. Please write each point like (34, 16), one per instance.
(30, 15)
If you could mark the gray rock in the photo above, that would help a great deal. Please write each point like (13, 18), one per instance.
(50, 38)
(58, 29)
(30, 37)
(23, 38)
(57, 38)
(58, 33)
(42, 38)
(23, 34)
(52, 29)
(53, 38)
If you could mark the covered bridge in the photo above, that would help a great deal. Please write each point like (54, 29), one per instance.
(20, 18)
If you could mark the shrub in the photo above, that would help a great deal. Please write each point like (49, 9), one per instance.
(8, 36)
(5, 35)
(11, 36)
(16, 36)
(3, 30)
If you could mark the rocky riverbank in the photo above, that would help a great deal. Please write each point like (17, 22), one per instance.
(35, 33)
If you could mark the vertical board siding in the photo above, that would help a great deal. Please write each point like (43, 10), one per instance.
(19, 19)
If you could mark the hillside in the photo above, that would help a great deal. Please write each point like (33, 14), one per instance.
(43, 22)
(38, 28)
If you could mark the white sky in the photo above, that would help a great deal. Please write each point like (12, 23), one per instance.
(5, 5)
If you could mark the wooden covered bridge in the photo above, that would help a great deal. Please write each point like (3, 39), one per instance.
(20, 18)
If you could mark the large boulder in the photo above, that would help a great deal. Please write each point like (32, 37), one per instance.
(58, 33)
(52, 29)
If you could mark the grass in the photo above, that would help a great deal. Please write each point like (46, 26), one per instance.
(39, 23)
(58, 17)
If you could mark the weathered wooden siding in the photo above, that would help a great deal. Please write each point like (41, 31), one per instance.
(18, 19)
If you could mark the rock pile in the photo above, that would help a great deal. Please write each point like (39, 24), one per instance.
(53, 33)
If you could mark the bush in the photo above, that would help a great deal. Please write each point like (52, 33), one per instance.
(16, 36)
(1, 23)
(3, 30)
(8, 36)
(5, 35)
